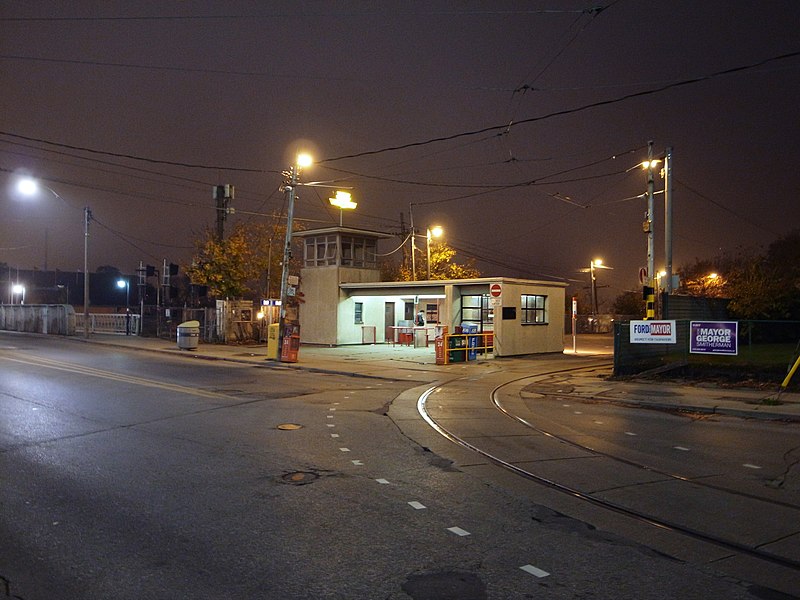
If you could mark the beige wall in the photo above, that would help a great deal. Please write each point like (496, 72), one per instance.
(513, 338)
(327, 311)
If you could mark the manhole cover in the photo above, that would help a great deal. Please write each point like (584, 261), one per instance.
(299, 477)
(289, 426)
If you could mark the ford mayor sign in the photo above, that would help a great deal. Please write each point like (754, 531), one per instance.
(713, 337)
(652, 332)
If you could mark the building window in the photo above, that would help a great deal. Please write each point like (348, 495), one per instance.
(534, 309)
(359, 313)
(476, 309)
(320, 251)
(431, 313)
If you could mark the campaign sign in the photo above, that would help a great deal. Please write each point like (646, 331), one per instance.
(714, 337)
(652, 332)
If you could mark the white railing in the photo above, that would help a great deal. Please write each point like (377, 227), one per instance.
(109, 323)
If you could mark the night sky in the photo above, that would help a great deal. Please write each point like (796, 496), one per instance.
(514, 125)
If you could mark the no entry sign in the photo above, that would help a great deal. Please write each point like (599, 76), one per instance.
(495, 290)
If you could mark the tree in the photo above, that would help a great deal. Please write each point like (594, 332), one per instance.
(629, 303)
(759, 286)
(768, 287)
(443, 266)
(246, 263)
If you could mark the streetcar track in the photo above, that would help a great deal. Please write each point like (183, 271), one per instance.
(640, 516)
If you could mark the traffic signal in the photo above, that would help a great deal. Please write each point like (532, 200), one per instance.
(150, 271)
(173, 269)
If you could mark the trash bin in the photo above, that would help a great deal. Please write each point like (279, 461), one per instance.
(188, 335)
(272, 341)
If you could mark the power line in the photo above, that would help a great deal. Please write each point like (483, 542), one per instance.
(570, 111)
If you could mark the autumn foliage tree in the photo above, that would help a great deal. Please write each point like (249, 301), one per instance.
(246, 263)
(443, 266)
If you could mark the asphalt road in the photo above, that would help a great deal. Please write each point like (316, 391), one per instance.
(130, 475)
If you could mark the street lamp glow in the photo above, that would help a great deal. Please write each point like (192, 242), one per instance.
(343, 200)
(597, 262)
(304, 160)
(435, 231)
(17, 288)
(27, 186)
(121, 283)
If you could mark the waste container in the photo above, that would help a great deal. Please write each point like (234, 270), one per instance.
(188, 335)
(273, 332)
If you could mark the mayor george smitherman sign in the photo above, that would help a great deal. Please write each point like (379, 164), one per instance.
(652, 332)
(713, 337)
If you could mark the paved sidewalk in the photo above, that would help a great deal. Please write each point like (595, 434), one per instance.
(419, 365)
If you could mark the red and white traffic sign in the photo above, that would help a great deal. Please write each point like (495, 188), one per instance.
(642, 275)
(495, 290)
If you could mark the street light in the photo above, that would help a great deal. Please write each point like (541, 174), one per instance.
(124, 283)
(289, 188)
(28, 186)
(594, 264)
(343, 200)
(19, 290)
(435, 231)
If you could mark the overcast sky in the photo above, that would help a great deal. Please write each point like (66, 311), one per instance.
(513, 124)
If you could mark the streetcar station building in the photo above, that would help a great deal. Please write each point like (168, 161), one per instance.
(346, 303)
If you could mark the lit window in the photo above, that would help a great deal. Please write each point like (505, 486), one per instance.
(534, 309)
(359, 313)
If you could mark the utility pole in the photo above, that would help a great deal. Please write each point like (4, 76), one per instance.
(223, 194)
(87, 216)
(668, 218)
(648, 227)
(413, 244)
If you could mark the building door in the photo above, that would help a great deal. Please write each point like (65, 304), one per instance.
(388, 319)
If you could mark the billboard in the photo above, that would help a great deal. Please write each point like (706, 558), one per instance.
(713, 337)
(652, 332)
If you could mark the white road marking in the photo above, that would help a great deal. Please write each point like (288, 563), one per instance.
(536, 572)
(357, 463)
(629, 433)
(383, 481)
(345, 449)
(417, 505)
(681, 448)
(334, 435)
(330, 424)
(751, 466)
(458, 531)
(577, 412)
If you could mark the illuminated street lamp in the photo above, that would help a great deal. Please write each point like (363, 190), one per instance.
(30, 187)
(125, 283)
(19, 290)
(594, 264)
(343, 200)
(289, 188)
(435, 231)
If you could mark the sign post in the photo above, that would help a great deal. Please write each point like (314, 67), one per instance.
(574, 324)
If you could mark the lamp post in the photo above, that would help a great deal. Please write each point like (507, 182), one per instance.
(343, 200)
(19, 290)
(30, 187)
(594, 264)
(435, 231)
(291, 182)
(124, 283)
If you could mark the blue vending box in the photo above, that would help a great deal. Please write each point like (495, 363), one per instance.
(472, 340)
